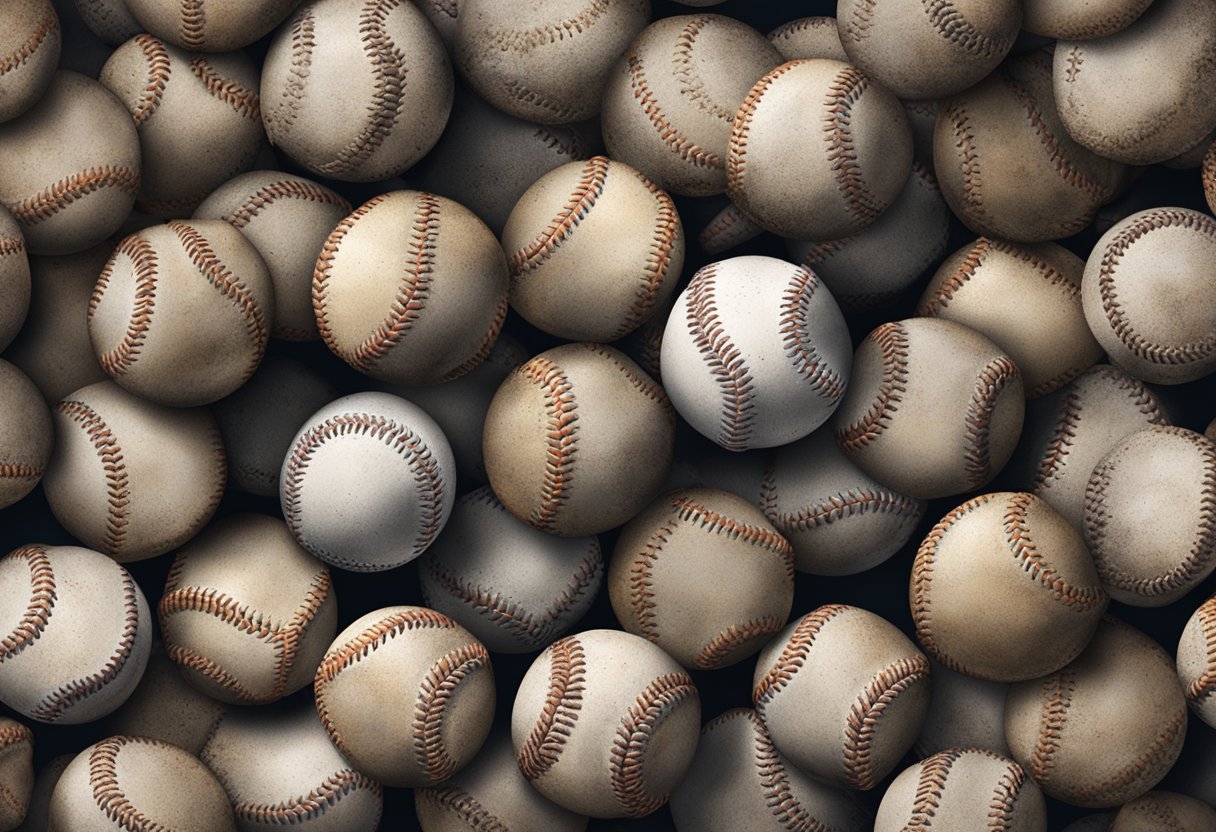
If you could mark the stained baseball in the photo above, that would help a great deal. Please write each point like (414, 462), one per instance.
(16, 771)
(30, 46)
(15, 283)
(26, 435)
(1148, 812)
(1197, 661)
(110, 20)
(1081, 21)
(809, 37)
(211, 26)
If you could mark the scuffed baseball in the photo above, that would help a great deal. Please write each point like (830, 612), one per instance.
(728, 228)
(210, 27)
(29, 45)
(345, 83)
(411, 288)
(964, 712)
(843, 693)
(1098, 822)
(26, 435)
(368, 482)
(1080, 21)
(1197, 661)
(1105, 728)
(410, 655)
(578, 440)
(831, 171)
(1209, 177)
(809, 37)
(1159, 810)
(671, 98)
(605, 724)
(72, 166)
(593, 248)
(16, 771)
(82, 634)
(288, 219)
(110, 20)
(15, 283)
(838, 520)
(515, 588)
(755, 353)
(934, 408)
(1149, 297)
(38, 808)
(131, 478)
(702, 574)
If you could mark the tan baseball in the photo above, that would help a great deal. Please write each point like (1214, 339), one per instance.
(605, 724)
(81, 636)
(809, 37)
(728, 228)
(209, 25)
(26, 435)
(1197, 661)
(16, 772)
(1209, 177)
(110, 20)
(964, 712)
(1159, 810)
(29, 54)
(131, 478)
(15, 283)
(1084, 20)
(843, 693)
(37, 816)
(399, 655)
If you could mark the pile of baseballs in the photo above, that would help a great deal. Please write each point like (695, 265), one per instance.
(855, 376)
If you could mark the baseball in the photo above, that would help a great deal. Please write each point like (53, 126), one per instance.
(730, 227)
(138, 783)
(593, 249)
(397, 655)
(163, 471)
(1105, 728)
(82, 634)
(355, 91)
(16, 771)
(964, 712)
(288, 219)
(26, 435)
(210, 27)
(30, 46)
(825, 183)
(1149, 297)
(15, 283)
(1179, 812)
(1047, 337)
(702, 574)
(1197, 661)
(755, 353)
(1081, 21)
(838, 520)
(671, 98)
(963, 788)
(110, 20)
(368, 482)
(1209, 177)
(739, 780)
(180, 314)
(37, 816)
(843, 693)
(934, 408)
(605, 724)
(565, 437)
(515, 588)
(432, 315)
(72, 166)
(809, 37)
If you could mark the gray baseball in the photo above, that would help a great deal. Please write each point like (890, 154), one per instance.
(1197, 661)
(30, 46)
(15, 284)
(26, 435)
(16, 772)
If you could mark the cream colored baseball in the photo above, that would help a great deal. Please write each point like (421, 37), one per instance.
(30, 47)
(605, 724)
(1209, 177)
(964, 712)
(809, 37)
(81, 636)
(16, 772)
(15, 283)
(1197, 661)
(1159, 810)
(730, 227)
(26, 435)
(843, 694)
(368, 482)
(110, 20)
(402, 655)
(209, 26)
(37, 816)
(1081, 21)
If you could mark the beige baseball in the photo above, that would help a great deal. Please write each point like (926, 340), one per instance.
(110, 20)
(37, 816)
(1197, 661)
(1159, 810)
(15, 282)
(964, 712)
(809, 37)
(29, 54)
(728, 228)
(209, 25)
(26, 435)
(1080, 21)
(16, 772)
(1208, 177)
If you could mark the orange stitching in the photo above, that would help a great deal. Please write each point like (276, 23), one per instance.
(437, 688)
(726, 362)
(992, 381)
(464, 806)
(586, 192)
(1005, 796)
(691, 511)
(285, 113)
(283, 189)
(1113, 788)
(796, 336)
(108, 794)
(929, 786)
(40, 606)
(19, 471)
(658, 260)
(193, 25)
(26, 50)
(734, 637)
(641, 575)
(118, 493)
(558, 30)
(1204, 685)
(243, 101)
(118, 360)
(736, 150)
(728, 229)
(660, 698)
(58, 196)
(891, 340)
(846, 89)
(778, 795)
(1057, 693)
(561, 411)
(325, 262)
(793, 653)
(645, 386)
(567, 678)
(682, 62)
(159, 63)
(1017, 535)
(485, 346)
(669, 134)
(969, 160)
(309, 806)
(836, 507)
(954, 27)
(866, 711)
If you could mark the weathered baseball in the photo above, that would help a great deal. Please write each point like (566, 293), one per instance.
(1210, 430)
(368, 482)
(30, 49)
(1150, 515)
(354, 90)
(15, 283)
(739, 780)
(1193, 158)
(730, 227)
(1109, 105)
(934, 408)
(482, 145)
(259, 420)
(928, 50)
(198, 118)
(671, 98)
(755, 353)
(38, 808)
(445, 17)
(181, 312)
(16, 771)
(964, 712)
(26, 435)
(287, 218)
(843, 693)
(493, 792)
(1105, 728)
(702, 574)
(578, 440)
(838, 520)
(213, 26)
(81, 636)
(963, 788)
(1149, 297)
(109, 20)
(593, 248)
(605, 724)
(1098, 822)
(411, 288)
(53, 348)
(542, 60)
(1007, 165)
(1158, 810)
(809, 37)
(1197, 661)
(829, 181)
(138, 783)
(1209, 177)
(402, 655)
(131, 478)
(981, 285)
(280, 769)
(875, 267)
(1003, 588)
(1071, 20)
(515, 588)
(71, 167)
